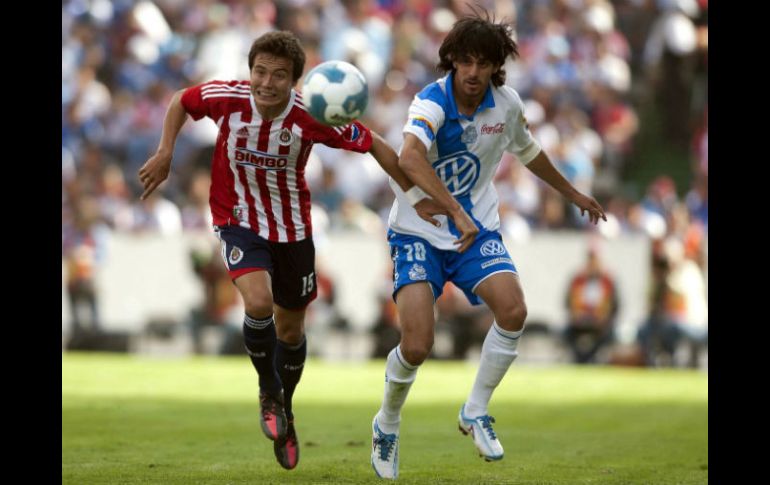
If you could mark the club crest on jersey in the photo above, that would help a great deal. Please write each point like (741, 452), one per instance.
(285, 137)
(417, 273)
(470, 135)
(492, 248)
(236, 255)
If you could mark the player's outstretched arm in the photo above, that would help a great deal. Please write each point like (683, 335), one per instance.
(388, 160)
(543, 168)
(414, 162)
(157, 167)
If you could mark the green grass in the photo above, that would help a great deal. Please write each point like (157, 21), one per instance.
(131, 419)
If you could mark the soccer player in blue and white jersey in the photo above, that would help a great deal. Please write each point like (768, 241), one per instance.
(457, 130)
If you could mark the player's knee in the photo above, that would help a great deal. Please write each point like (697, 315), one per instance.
(291, 335)
(512, 317)
(416, 353)
(258, 305)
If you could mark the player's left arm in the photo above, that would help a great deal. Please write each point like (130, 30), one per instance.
(388, 160)
(542, 167)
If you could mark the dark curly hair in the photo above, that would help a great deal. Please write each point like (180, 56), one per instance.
(479, 37)
(280, 44)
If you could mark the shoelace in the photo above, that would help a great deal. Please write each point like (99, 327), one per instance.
(486, 423)
(387, 443)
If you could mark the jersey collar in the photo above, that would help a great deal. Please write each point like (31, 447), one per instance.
(285, 111)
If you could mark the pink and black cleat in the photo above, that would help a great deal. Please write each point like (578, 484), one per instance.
(287, 449)
(272, 416)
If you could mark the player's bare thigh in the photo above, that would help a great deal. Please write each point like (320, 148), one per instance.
(255, 288)
(503, 293)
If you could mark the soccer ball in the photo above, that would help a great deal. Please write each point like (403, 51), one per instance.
(335, 93)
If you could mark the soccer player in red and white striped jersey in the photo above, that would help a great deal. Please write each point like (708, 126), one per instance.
(260, 205)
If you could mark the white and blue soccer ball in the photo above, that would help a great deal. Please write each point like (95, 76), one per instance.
(335, 93)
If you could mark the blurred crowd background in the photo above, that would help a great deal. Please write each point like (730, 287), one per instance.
(615, 92)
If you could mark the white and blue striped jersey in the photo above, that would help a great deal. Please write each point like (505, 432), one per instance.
(465, 152)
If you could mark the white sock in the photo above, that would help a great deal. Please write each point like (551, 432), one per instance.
(399, 376)
(497, 355)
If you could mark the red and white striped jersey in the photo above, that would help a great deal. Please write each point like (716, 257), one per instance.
(258, 170)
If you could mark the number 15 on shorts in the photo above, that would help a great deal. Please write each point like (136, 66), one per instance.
(308, 284)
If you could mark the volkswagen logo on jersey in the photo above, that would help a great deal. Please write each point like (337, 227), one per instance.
(469, 135)
(492, 248)
(459, 172)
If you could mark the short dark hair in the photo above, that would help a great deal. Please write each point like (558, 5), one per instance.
(479, 37)
(280, 44)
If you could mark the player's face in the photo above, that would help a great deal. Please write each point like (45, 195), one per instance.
(472, 75)
(271, 81)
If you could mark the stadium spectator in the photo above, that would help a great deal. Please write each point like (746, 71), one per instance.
(592, 305)
(220, 301)
(670, 57)
(679, 311)
(84, 249)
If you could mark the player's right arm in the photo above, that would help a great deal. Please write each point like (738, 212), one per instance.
(157, 168)
(414, 162)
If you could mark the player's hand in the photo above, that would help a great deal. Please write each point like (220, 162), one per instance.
(427, 208)
(154, 172)
(589, 204)
(467, 228)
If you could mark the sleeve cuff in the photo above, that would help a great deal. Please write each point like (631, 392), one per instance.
(420, 134)
(528, 154)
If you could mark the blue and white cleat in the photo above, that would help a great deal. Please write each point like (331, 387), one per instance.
(384, 452)
(484, 437)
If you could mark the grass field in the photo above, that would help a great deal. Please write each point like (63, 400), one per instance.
(131, 419)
